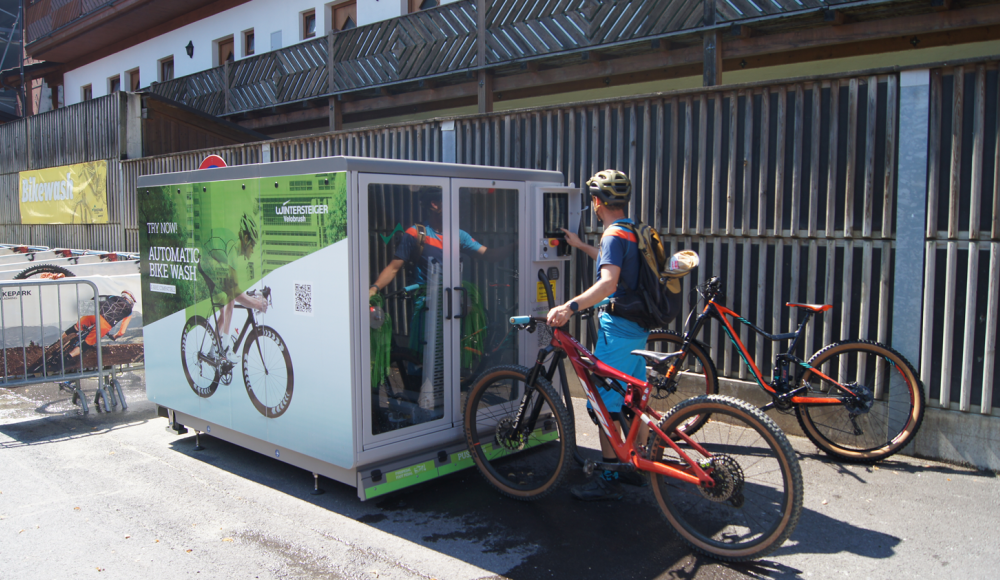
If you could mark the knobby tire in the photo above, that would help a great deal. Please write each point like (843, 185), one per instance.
(757, 498)
(524, 466)
(892, 417)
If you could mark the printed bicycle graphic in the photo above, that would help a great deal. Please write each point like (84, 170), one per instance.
(266, 362)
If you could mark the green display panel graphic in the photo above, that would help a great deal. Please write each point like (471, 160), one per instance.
(216, 239)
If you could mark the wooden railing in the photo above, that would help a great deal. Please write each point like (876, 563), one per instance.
(446, 41)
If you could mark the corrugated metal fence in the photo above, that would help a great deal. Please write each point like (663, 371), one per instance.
(786, 190)
(89, 131)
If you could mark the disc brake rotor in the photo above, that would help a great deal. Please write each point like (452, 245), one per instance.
(508, 436)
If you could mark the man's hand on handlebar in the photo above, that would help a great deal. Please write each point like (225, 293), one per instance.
(558, 316)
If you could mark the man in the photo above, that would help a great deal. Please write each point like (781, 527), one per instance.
(427, 238)
(618, 262)
(219, 254)
(114, 309)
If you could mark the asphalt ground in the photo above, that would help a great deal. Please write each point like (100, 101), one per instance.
(117, 496)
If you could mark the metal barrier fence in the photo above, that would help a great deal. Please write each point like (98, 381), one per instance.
(42, 324)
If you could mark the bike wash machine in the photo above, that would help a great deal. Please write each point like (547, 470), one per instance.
(369, 392)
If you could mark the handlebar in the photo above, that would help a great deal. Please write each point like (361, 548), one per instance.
(530, 321)
(405, 292)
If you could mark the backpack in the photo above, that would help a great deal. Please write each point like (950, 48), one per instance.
(656, 301)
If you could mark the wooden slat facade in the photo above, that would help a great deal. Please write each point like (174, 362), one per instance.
(787, 190)
(962, 263)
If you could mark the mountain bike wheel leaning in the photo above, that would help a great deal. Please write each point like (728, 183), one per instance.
(267, 371)
(37, 271)
(757, 497)
(520, 464)
(697, 376)
(882, 417)
(198, 340)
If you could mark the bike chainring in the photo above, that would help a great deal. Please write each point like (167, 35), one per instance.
(728, 477)
(509, 437)
(226, 371)
(664, 388)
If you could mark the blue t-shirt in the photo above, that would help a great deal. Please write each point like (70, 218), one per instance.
(433, 248)
(619, 247)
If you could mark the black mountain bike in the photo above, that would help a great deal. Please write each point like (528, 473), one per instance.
(266, 362)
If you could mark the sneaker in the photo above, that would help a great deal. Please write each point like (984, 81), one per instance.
(636, 478)
(231, 356)
(597, 489)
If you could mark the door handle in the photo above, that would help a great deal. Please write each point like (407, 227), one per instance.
(464, 304)
(448, 292)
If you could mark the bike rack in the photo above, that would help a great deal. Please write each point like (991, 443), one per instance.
(23, 317)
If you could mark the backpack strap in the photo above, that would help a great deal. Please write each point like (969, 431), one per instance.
(421, 236)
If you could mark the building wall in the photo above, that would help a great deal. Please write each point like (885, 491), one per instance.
(265, 17)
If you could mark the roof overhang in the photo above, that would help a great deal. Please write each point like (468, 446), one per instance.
(116, 25)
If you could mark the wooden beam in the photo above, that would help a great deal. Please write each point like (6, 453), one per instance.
(485, 92)
(864, 48)
(336, 114)
(863, 31)
(403, 99)
(712, 59)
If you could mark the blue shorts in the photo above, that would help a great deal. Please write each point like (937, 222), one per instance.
(616, 340)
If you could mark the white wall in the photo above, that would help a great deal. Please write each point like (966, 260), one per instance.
(264, 16)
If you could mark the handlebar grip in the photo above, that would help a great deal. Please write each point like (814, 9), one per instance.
(515, 320)
(412, 288)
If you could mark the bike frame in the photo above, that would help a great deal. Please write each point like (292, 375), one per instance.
(780, 389)
(636, 399)
(250, 322)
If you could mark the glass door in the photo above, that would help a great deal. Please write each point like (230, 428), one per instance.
(487, 272)
(408, 244)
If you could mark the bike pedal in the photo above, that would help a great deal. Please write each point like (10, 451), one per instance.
(588, 467)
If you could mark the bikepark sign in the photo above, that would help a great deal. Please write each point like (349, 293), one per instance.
(69, 194)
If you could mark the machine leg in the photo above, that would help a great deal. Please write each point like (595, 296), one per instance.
(197, 441)
(316, 490)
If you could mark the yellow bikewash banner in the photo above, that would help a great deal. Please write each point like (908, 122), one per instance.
(71, 194)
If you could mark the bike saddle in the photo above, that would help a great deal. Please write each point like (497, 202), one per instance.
(656, 358)
(813, 307)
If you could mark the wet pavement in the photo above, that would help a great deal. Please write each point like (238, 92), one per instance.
(117, 496)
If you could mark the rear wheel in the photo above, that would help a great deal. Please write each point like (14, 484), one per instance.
(756, 498)
(696, 376)
(879, 418)
(200, 348)
(522, 462)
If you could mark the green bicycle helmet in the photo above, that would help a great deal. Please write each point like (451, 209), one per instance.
(611, 186)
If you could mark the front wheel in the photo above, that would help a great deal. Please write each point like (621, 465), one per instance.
(267, 371)
(880, 414)
(696, 375)
(201, 354)
(523, 461)
(755, 501)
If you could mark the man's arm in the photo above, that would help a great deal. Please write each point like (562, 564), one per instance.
(386, 276)
(124, 326)
(599, 291)
(574, 241)
(496, 254)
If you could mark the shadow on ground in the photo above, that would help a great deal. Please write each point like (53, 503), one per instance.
(555, 537)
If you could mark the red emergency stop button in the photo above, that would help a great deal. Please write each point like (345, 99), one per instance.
(553, 242)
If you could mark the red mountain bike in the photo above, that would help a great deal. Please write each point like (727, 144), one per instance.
(732, 490)
(857, 400)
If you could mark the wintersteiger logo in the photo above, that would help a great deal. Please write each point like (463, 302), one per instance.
(298, 213)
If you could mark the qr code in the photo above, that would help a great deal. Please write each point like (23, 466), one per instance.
(303, 299)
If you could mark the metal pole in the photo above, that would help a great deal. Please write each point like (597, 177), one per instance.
(20, 59)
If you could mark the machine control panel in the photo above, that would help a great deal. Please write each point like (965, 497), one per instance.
(558, 211)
